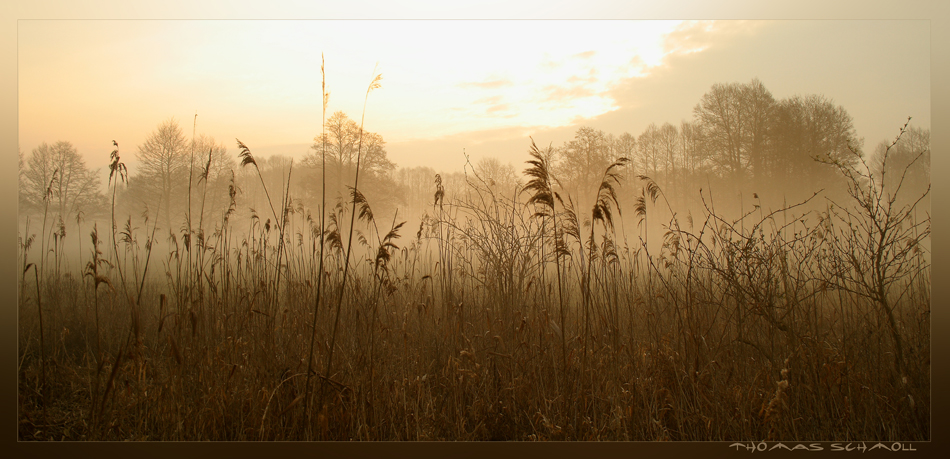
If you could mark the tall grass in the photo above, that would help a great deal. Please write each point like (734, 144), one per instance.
(787, 324)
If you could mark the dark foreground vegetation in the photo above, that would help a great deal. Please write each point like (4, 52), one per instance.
(504, 315)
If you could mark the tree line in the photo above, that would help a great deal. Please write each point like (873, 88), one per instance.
(740, 139)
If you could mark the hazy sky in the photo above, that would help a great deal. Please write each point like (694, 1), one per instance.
(482, 86)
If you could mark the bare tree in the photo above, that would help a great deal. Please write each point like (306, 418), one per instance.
(736, 118)
(60, 170)
(501, 177)
(668, 138)
(163, 169)
(759, 104)
(805, 128)
(693, 151)
(22, 202)
(342, 137)
(414, 186)
(580, 162)
(342, 141)
(649, 151)
(907, 164)
(213, 165)
(625, 146)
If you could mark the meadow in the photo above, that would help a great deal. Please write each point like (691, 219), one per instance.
(500, 314)
(500, 318)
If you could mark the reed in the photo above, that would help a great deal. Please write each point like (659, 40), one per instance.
(797, 323)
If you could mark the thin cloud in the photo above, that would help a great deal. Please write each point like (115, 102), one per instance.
(489, 100)
(548, 65)
(585, 55)
(495, 105)
(557, 93)
(638, 64)
(498, 108)
(581, 80)
(487, 84)
(694, 36)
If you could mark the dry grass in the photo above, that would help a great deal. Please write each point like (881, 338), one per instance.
(505, 317)
(720, 335)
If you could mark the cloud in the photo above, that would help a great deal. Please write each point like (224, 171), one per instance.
(494, 105)
(694, 36)
(585, 55)
(487, 84)
(548, 64)
(578, 79)
(837, 59)
(498, 108)
(488, 100)
(559, 93)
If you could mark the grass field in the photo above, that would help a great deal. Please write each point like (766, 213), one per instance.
(497, 318)
(498, 315)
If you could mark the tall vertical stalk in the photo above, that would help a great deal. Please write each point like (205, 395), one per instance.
(541, 184)
(349, 243)
(323, 213)
(601, 211)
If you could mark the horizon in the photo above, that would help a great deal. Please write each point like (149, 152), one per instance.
(485, 97)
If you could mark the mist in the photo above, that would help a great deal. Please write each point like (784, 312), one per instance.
(740, 265)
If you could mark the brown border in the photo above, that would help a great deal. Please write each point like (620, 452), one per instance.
(936, 11)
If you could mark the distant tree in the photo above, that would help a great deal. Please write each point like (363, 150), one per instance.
(415, 189)
(212, 169)
(22, 202)
(625, 145)
(342, 145)
(342, 139)
(805, 128)
(650, 151)
(668, 138)
(735, 119)
(498, 176)
(581, 163)
(375, 160)
(455, 184)
(691, 139)
(60, 169)
(759, 105)
(163, 171)
(910, 153)
(694, 160)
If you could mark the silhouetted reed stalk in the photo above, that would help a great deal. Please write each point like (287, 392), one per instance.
(248, 158)
(39, 311)
(325, 96)
(281, 249)
(541, 185)
(47, 196)
(601, 212)
(754, 330)
(349, 243)
(438, 200)
(202, 240)
(92, 270)
(193, 280)
(117, 172)
(384, 251)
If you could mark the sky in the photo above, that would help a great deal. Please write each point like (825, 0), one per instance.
(481, 87)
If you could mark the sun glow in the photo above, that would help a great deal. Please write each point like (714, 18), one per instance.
(261, 80)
